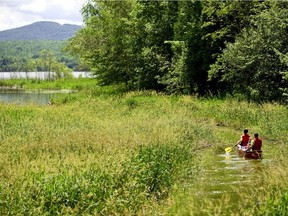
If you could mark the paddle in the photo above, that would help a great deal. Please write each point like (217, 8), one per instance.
(229, 149)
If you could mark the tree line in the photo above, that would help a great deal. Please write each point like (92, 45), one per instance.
(36, 55)
(191, 47)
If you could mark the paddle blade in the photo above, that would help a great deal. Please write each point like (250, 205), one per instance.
(228, 149)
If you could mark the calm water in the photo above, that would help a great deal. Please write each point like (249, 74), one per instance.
(227, 171)
(20, 96)
(225, 174)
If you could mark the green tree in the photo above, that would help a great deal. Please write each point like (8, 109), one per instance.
(47, 62)
(8, 64)
(104, 43)
(155, 19)
(189, 30)
(185, 69)
(26, 65)
(200, 33)
(124, 41)
(253, 65)
(223, 21)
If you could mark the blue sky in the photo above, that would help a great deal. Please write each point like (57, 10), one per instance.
(17, 13)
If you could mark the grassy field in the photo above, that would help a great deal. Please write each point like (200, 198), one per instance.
(99, 152)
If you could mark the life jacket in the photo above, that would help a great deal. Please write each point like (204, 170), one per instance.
(257, 144)
(245, 139)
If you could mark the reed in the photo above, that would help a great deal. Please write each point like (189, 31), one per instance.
(71, 83)
(102, 153)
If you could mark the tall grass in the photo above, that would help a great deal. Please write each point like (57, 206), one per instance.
(147, 175)
(72, 83)
(125, 154)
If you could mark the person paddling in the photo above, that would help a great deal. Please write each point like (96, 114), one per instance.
(256, 143)
(245, 139)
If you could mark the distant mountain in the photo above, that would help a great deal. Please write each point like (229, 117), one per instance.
(40, 31)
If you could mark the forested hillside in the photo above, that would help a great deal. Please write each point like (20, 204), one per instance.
(28, 49)
(25, 55)
(196, 47)
(24, 48)
(40, 31)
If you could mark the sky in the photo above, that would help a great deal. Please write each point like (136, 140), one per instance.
(17, 13)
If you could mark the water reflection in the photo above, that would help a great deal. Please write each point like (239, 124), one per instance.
(20, 96)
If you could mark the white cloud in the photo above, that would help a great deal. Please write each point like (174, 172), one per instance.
(16, 13)
(34, 6)
(12, 19)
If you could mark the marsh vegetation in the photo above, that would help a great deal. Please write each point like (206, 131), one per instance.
(103, 151)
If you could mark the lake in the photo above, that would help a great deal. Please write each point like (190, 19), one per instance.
(21, 96)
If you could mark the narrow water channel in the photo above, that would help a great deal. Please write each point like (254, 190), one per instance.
(224, 175)
(225, 172)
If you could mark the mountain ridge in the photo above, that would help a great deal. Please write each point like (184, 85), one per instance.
(42, 30)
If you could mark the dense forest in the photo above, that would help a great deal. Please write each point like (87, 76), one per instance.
(211, 47)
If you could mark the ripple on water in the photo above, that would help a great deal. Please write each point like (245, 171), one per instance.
(225, 173)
